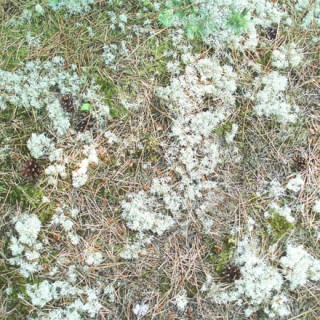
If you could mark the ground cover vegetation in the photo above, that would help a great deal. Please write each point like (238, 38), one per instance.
(159, 159)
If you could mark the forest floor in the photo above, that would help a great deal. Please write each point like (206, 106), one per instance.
(159, 160)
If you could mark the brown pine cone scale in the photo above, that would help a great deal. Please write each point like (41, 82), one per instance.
(31, 169)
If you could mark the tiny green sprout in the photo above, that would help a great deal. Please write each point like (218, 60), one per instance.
(167, 18)
(85, 107)
(196, 23)
(231, 242)
(238, 20)
(193, 28)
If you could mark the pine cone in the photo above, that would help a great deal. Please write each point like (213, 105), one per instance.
(31, 169)
(67, 102)
(231, 273)
(86, 123)
(271, 33)
(300, 163)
